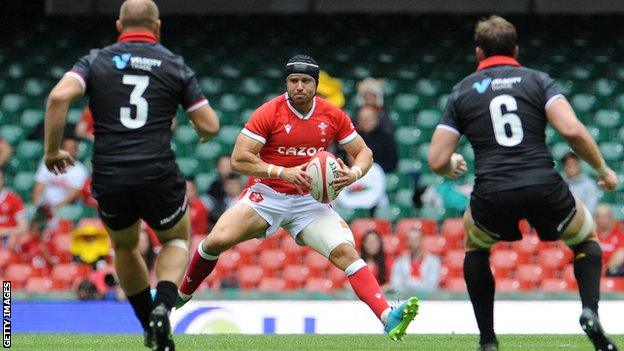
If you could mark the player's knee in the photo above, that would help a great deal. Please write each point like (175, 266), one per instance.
(217, 241)
(577, 233)
(344, 251)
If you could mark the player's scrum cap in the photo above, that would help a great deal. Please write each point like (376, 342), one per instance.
(302, 64)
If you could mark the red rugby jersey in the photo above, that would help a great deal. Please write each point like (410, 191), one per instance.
(291, 139)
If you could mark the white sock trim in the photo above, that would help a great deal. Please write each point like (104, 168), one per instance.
(354, 267)
(184, 296)
(384, 316)
(204, 255)
(183, 244)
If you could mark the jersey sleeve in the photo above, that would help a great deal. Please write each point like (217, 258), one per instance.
(258, 127)
(80, 71)
(450, 118)
(346, 130)
(192, 96)
(17, 206)
(550, 90)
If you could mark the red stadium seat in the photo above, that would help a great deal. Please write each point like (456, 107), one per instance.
(527, 247)
(337, 276)
(317, 263)
(322, 285)
(427, 226)
(294, 252)
(228, 262)
(249, 250)
(503, 262)
(453, 230)
(435, 244)
(272, 285)
(70, 272)
(568, 275)
(507, 285)
(391, 245)
(65, 226)
(41, 284)
(530, 275)
(295, 276)
(249, 276)
(20, 272)
(454, 261)
(60, 243)
(271, 261)
(272, 241)
(455, 285)
(612, 284)
(552, 285)
(360, 226)
(553, 259)
(8, 257)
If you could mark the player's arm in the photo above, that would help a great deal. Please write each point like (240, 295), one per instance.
(245, 160)
(362, 162)
(205, 121)
(442, 159)
(561, 115)
(67, 90)
(37, 191)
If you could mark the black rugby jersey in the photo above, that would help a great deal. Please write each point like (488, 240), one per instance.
(501, 110)
(134, 88)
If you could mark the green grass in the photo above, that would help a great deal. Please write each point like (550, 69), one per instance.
(223, 342)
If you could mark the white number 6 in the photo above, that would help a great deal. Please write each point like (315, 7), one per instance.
(500, 120)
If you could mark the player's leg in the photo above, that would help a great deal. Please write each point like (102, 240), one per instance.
(330, 236)
(479, 280)
(580, 236)
(239, 223)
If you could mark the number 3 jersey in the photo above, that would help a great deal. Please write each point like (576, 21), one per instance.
(501, 110)
(134, 88)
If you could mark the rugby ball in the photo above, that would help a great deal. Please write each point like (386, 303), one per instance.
(323, 168)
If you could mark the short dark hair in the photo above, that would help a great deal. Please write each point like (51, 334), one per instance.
(233, 176)
(569, 156)
(496, 36)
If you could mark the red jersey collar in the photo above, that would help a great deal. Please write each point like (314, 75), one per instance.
(497, 60)
(137, 35)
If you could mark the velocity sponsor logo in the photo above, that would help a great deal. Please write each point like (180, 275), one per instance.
(482, 86)
(136, 62)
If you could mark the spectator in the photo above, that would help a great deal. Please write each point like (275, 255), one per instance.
(611, 240)
(89, 243)
(84, 128)
(370, 93)
(330, 89)
(51, 191)
(5, 152)
(416, 270)
(580, 184)
(197, 211)
(379, 141)
(367, 192)
(13, 221)
(216, 193)
(373, 254)
(233, 186)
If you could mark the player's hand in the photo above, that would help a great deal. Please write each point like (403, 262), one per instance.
(458, 166)
(297, 175)
(58, 162)
(347, 177)
(609, 180)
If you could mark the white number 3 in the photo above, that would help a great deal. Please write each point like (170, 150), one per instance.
(140, 84)
(500, 120)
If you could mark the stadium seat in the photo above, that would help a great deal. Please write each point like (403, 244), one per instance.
(427, 226)
(390, 213)
(432, 213)
(71, 212)
(31, 118)
(42, 285)
(453, 230)
(360, 226)
(568, 274)
(454, 261)
(295, 276)
(248, 250)
(612, 151)
(527, 247)
(337, 276)
(392, 245)
(228, 134)
(435, 244)
(553, 260)
(407, 136)
(204, 180)
(8, 257)
(317, 264)
(503, 262)
(70, 272)
(507, 285)
(228, 262)
(608, 120)
(23, 183)
(60, 242)
(271, 284)
(611, 284)
(12, 102)
(271, 261)
(12, 133)
(18, 273)
(428, 119)
(455, 285)
(249, 277)
(529, 275)
(294, 252)
(188, 166)
(553, 285)
(322, 285)
(208, 151)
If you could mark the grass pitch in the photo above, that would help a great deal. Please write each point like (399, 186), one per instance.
(119, 342)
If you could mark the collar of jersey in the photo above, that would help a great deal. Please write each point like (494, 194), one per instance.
(137, 35)
(497, 60)
(297, 113)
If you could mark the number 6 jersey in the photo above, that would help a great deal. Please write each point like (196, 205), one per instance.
(501, 110)
(134, 88)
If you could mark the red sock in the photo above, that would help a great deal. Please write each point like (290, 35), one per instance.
(202, 264)
(366, 287)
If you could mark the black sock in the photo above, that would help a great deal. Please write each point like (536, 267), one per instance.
(587, 270)
(480, 283)
(166, 292)
(142, 305)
